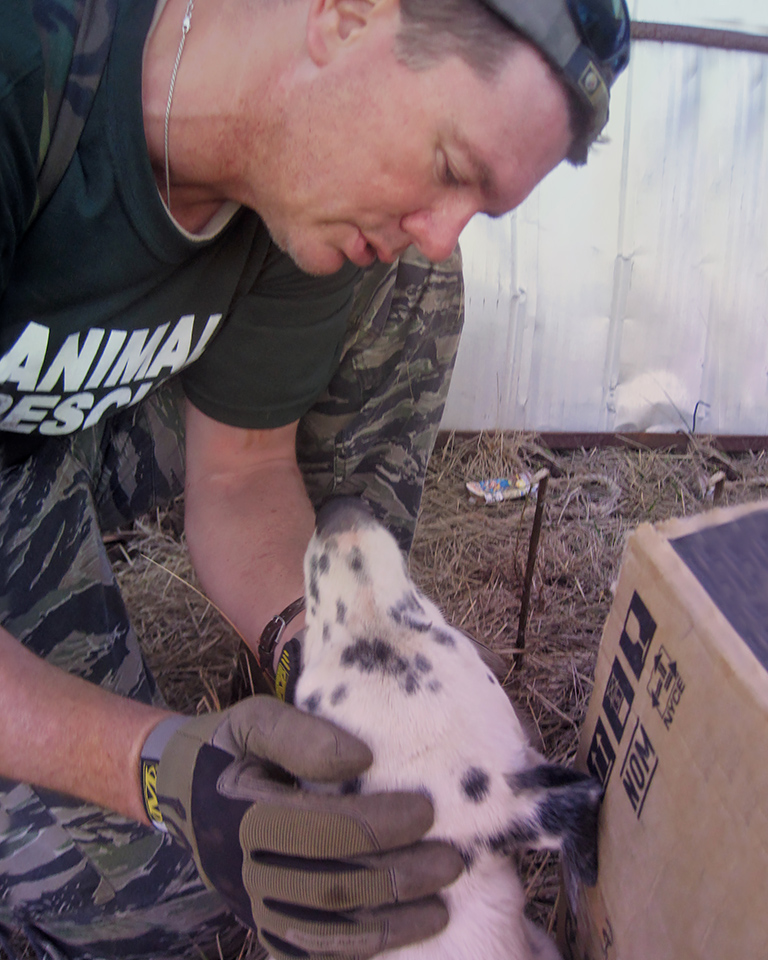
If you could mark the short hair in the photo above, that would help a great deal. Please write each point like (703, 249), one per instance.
(433, 30)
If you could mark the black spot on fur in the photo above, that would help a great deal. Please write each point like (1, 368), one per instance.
(350, 787)
(312, 586)
(443, 637)
(498, 843)
(371, 656)
(323, 564)
(491, 678)
(409, 603)
(326, 632)
(523, 833)
(341, 611)
(339, 694)
(422, 664)
(312, 703)
(356, 562)
(409, 613)
(468, 856)
(547, 776)
(434, 686)
(378, 656)
(475, 783)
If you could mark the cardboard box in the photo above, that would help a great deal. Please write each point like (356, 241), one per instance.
(677, 731)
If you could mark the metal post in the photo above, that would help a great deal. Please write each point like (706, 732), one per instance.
(542, 478)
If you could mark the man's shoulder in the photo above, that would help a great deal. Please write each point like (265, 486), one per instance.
(20, 49)
(38, 34)
(22, 84)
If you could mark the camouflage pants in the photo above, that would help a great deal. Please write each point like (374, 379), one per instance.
(79, 881)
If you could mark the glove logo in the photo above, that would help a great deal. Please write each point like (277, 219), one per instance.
(282, 674)
(149, 792)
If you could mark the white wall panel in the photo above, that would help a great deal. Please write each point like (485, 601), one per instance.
(620, 295)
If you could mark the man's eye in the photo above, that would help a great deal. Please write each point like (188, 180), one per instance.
(449, 178)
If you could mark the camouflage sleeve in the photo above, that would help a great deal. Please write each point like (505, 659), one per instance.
(371, 434)
(77, 881)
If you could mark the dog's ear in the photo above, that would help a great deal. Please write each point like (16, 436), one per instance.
(566, 805)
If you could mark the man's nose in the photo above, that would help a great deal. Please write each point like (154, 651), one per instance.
(436, 232)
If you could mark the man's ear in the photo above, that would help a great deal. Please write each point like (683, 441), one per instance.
(335, 24)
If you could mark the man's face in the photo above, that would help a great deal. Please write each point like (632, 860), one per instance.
(376, 157)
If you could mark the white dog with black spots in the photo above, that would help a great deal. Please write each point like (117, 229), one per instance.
(379, 659)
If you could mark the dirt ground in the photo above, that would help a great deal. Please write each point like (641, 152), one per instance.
(471, 559)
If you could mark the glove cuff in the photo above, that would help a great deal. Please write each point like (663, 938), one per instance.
(288, 668)
(150, 758)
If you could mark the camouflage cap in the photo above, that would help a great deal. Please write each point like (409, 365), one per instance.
(586, 41)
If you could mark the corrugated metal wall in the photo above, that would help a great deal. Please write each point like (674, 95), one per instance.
(622, 295)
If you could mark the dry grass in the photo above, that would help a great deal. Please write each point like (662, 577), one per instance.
(471, 559)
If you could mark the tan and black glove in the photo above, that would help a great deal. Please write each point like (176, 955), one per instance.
(317, 875)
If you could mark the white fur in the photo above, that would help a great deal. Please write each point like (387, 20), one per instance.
(457, 719)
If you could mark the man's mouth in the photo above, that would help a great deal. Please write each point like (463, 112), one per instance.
(361, 251)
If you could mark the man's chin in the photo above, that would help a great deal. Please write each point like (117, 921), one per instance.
(318, 266)
(317, 261)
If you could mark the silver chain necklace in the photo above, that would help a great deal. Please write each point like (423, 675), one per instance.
(185, 24)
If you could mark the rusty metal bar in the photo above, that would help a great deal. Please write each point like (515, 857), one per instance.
(700, 36)
(674, 442)
(542, 478)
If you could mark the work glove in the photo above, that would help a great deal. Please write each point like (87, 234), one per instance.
(317, 875)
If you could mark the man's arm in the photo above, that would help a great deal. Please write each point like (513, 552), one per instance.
(61, 732)
(249, 522)
(248, 519)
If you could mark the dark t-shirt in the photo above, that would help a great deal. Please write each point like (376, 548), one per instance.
(103, 297)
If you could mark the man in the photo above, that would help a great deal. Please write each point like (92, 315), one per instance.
(360, 140)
